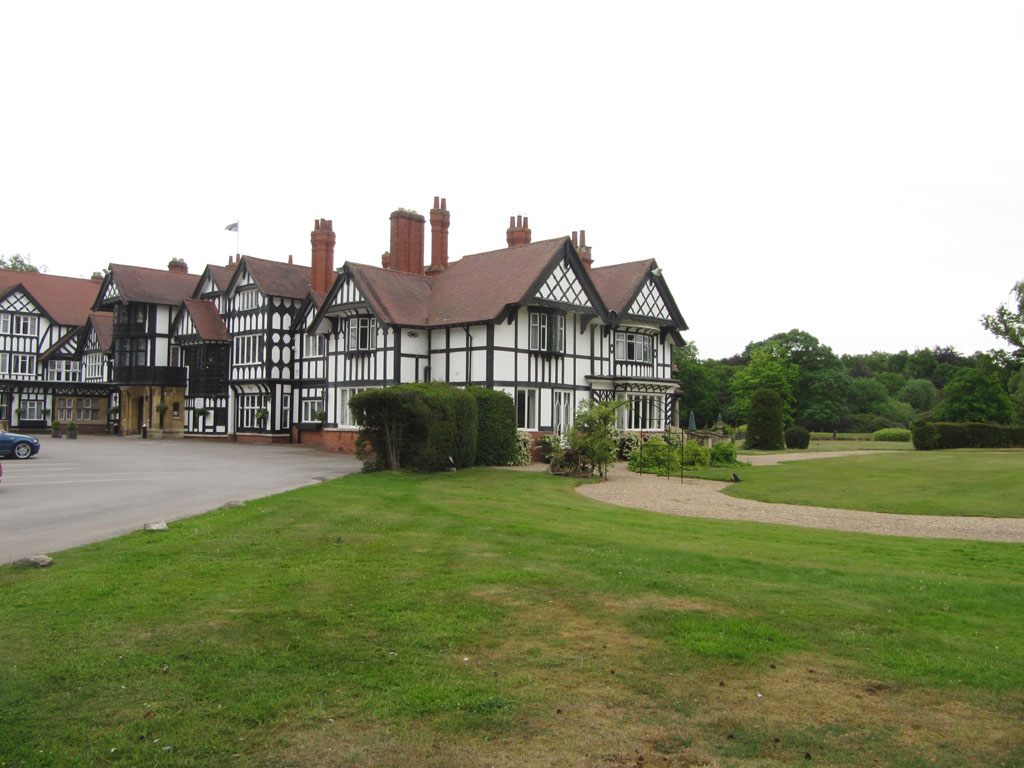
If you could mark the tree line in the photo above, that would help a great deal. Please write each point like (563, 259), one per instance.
(823, 391)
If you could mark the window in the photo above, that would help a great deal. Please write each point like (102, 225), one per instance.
(33, 409)
(248, 407)
(248, 349)
(547, 332)
(361, 334)
(309, 409)
(64, 370)
(88, 409)
(313, 346)
(20, 325)
(286, 411)
(345, 418)
(562, 412)
(634, 347)
(538, 332)
(93, 367)
(23, 365)
(65, 409)
(4, 406)
(176, 410)
(643, 412)
(4, 363)
(526, 409)
(247, 299)
(175, 356)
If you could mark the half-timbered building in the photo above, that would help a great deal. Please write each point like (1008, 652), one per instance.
(204, 345)
(147, 370)
(41, 319)
(534, 319)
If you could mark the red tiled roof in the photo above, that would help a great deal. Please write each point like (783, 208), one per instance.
(153, 286)
(318, 298)
(480, 286)
(221, 275)
(618, 283)
(103, 324)
(207, 320)
(65, 299)
(400, 298)
(276, 278)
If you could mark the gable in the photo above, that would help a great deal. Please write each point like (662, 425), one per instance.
(348, 293)
(650, 303)
(19, 301)
(564, 286)
(112, 292)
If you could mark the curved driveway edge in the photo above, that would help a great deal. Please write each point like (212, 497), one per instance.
(703, 498)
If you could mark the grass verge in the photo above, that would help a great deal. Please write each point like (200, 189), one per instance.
(492, 617)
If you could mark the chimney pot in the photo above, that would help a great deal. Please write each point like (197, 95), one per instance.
(444, 204)
(575, 244)
(437, 202)
(583, 238)
(519, 231)
(407, 241)
(177, 265)
(440, 220)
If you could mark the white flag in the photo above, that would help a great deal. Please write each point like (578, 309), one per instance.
(232, 227)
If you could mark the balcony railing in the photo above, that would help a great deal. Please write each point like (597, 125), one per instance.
(162, 376)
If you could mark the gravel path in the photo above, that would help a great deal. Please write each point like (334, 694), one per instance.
(702, 498)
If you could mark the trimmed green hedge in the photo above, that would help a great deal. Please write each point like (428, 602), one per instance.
(797, 437)
(892, 436)
(943, 434)
(428, 427)
(496, 427)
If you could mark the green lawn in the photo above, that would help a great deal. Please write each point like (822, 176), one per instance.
(818, 446)
(962, 482)
(490, 617)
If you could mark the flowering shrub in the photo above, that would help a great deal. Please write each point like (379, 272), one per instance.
(521, 456)
(628, 442)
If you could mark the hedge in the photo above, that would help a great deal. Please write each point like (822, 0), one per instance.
(429, 427)
(891, 436)
(943, 434)
(797, 437)
(496, 427)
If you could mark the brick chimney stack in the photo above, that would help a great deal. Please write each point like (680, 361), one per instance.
(407, 241)
(583, 249)
(322, 238)
(518, 232)
(440, 220)
(177, 265)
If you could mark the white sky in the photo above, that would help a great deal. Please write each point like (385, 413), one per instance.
(854, 169)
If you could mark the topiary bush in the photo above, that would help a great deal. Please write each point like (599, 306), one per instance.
(764, 421)
(925, 436)
(928, 436)
(797, 437)
(496, 427)
(723, 454)
(892, 435)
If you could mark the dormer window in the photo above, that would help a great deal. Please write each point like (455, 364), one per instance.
(547, 332)
(361, 334)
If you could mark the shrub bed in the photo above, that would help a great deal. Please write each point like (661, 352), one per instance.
(660, 458)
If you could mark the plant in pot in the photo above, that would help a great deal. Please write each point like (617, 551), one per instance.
(72, 430)
(21, 411)
(202, 411)
(261, 417)
(55, 428)
(320, 416)
(161, 409)
(45, 413)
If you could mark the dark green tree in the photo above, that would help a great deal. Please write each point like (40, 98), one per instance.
(764, 421)
(1007, 322)
(700, 391)
(921, 394)
(974, 395)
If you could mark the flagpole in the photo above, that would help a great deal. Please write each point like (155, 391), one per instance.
(236, 237)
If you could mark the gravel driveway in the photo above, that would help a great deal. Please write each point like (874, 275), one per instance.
(703, 498)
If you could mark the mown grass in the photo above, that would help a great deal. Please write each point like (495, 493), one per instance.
(820, 446)
(497, 618)
(962, 482)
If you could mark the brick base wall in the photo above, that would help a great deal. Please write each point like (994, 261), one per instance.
(339, 441)
(252, 438)
(307, 436)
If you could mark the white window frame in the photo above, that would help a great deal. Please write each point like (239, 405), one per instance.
(4, 364)
(634, 347)
(23, 364)
(248, 405)
(313, 346)
(247, 298)
(33, 409)
(248, 349)
(65, 409)
(345, 417)
(361, 334)
(309, 407)
(5, 324)
(527, 413)
(644, 412)
(561, 411)
(538, 331)
(23, 325)
(64, 370)
(4, 405)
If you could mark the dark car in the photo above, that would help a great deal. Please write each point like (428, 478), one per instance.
(18, 446)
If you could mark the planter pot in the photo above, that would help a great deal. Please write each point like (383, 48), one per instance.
(72, 435)
(54, 433)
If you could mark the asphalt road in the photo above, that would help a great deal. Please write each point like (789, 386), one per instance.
(75, 492)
